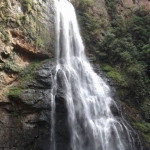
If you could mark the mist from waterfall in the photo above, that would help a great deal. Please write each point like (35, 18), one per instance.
(92, 124)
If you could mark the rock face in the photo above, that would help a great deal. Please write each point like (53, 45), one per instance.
(26, 35)
(25, 118)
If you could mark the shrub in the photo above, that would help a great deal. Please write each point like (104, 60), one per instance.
(85, 3)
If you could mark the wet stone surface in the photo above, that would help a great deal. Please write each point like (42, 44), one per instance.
(25, 119)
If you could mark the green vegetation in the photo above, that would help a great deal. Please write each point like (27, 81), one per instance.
(39, 42)
(27, 73)
(14, 92)
(122, 48)
(4, 17)
(26, 21)
(114, 74)
(85, 3)
(9, 65)
(144, 129)
(27, 5)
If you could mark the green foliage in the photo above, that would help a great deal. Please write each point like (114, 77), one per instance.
(39, 42)
(27, 5)
(139, 27)
(123, 50)
(27, 22)
(33, 38)
(114, 74)
(85, 3)
(4, 35)
(146, 137)
(92, 28)
(10, 66)
(20, 19)
(146, 109)
(3, 32)
(125, 46)
(28, 73)
(144, 129)
(111, 7)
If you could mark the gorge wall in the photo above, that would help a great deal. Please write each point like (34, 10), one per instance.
(26, 55)
(26, 39)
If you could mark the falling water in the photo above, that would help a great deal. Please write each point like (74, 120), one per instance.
(91, 121)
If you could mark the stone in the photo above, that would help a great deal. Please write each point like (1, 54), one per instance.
(27, 118)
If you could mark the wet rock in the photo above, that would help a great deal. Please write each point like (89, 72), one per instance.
(37, 98)
(115, 110)
(62, 129)
(27, 117)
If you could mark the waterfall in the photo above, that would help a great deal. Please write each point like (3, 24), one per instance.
(92, 124)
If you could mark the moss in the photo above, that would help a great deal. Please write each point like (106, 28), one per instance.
(20, 19)
(141, 126)
(4, 36)
(85, 3)
(14, 91)
(144, 129)
(146, 137)
(10, 65)
(39, 42)
(27, 22)
(33, 36)
(27, 5)
(27, 73)
(114, 74)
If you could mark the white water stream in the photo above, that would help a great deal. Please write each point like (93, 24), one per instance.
(91, 121)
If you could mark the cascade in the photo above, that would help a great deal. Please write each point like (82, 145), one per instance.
(92, 124)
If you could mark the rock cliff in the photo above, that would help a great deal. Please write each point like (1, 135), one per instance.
(26, 47)
(26, 39)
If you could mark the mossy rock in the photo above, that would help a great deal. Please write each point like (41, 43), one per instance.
(28, 73)
(14, 92)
